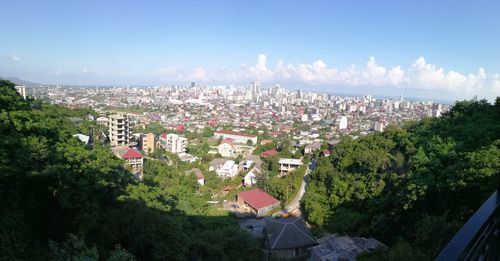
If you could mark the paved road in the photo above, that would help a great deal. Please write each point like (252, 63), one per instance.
(295, 203)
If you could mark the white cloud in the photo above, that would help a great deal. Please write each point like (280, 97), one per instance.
(85, 70)
(15, 58)
(420, 75)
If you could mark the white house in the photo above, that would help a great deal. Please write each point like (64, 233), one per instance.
(228, 170)
(102, 121)
(226, 148)
(250, 178)
(287, 165)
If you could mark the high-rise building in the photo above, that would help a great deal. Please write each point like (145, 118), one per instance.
(21, 90)
(119, 129)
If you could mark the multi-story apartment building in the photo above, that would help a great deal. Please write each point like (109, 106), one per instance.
(173, 142)
(21, 90)
(148, 143)
(119, 129)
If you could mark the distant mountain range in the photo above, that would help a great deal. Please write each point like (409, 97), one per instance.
(19, 81)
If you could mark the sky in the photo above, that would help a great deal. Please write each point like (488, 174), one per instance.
(435, 49)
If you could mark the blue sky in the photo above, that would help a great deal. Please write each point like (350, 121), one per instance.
(161, 42)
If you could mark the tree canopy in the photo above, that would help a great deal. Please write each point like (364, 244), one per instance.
(412, 187)
(62, 200)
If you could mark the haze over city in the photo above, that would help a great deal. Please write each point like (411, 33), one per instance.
(423, 49)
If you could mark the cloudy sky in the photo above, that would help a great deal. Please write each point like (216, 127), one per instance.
(437, 49)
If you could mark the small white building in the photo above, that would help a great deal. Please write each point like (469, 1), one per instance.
(228, 170)
(250, 178)
(287, 165)
(102, 121)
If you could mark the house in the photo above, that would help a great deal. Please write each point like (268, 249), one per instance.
(247, 164)
(335, 247)
(264, 142)
(258, 201)
(133, 159)
(102, 121)
(186, 157)
(288, 238)
(250, 178)
(198, 174)
(287, 165)
(311, 148)
(269, 153)
(326, 153)
(333, 143)
(228, 170)
(237, 137)
(180, 128)
(215, 164)
(226, 148)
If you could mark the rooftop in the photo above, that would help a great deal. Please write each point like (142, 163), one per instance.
(229, 132)
(257, 198)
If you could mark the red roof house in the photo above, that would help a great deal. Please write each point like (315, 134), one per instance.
(180, 128)
(132, 154)
(259, 201)
(269, 153)
(262, 142)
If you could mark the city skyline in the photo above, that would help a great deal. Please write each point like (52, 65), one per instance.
(423, 49)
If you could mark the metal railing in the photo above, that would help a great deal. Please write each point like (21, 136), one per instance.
(479, 238)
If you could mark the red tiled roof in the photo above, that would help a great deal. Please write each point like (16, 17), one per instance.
(132, 154)
(236, 133)
(228, 141)
(265, 141)
(163, 135)
(269, 153)
(180, 128)
(257, 198)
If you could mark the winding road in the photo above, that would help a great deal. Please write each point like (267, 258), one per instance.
(295, 203)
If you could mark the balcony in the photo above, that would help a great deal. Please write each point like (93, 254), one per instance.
(479, 238)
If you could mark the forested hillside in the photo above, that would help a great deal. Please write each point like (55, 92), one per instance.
(413, 187)
(60, 200)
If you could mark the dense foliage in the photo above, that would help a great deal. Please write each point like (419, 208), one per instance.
(61, 200)
(413, 187)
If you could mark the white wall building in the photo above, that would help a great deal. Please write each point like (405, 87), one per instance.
(250, 179)
(379, 126)
(287, 165)
(228, 170)
(176, 143)
(21, 90)
(341, 123)
(237, 137)
(226, 148)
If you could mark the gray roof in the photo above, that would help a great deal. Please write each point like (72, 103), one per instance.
(335, 247)
(197, 173)
(288, 233)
